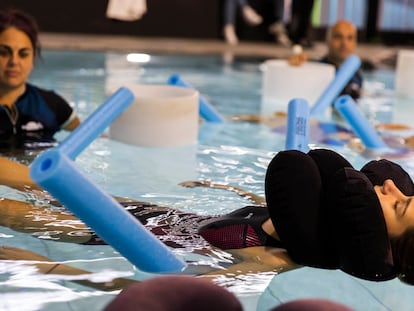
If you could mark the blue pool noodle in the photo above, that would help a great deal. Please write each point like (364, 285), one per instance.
(93, 126)
(297, 136)
(348, 109)
(206, 110)
(342, 77)
(56, 173)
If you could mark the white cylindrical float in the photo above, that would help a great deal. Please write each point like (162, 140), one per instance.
(161, 116)
(282, 82)
(404, 73)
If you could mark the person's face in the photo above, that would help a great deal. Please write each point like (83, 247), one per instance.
(342, 41)
(398, 208)
(16, 58)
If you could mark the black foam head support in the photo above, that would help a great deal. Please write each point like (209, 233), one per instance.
(360, 231)
(327, 213)
(293, 189)
(378, 171)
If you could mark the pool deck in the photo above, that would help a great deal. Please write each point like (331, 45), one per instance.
(376, 53)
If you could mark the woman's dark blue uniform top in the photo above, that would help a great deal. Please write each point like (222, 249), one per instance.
(38, 114)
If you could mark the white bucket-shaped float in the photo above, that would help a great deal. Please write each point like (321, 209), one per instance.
(161, 116)
(282, 82)
(404, 73)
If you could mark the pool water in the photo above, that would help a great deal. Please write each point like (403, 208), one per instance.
(235, 153)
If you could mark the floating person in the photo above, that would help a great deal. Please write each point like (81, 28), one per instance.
(320, 237)
(29, 115)
(175, 229)
(338, 211)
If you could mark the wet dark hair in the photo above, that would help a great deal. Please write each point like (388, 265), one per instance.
(403, 255)
(24, 22)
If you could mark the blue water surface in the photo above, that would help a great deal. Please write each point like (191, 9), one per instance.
(235, 153)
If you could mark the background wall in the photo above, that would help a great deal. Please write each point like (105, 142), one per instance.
(167, 18)
(388, 21)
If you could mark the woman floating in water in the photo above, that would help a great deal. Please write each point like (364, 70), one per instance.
(322, 211)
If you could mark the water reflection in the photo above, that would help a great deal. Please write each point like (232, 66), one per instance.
(233, 153)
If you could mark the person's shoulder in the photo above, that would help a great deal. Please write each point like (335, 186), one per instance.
(42, 91)
(46, 94)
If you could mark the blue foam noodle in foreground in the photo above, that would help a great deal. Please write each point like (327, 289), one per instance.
(95, 124)
(59, 175)
(297, 136)
(361, 126)
(206, 110)
(342, 77)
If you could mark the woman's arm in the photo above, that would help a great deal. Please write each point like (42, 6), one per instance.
(59, 225)
(46, 266)
(16, 175)
(255, 260)
(72, 124)
(256, 199)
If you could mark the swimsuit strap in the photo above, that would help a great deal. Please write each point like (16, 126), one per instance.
(239, 229)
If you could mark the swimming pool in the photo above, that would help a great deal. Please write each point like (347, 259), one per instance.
(233, 153)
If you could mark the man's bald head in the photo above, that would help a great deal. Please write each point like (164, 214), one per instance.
(341, 40)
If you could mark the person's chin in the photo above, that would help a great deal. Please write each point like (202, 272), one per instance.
(13, 84)
(345, 54)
